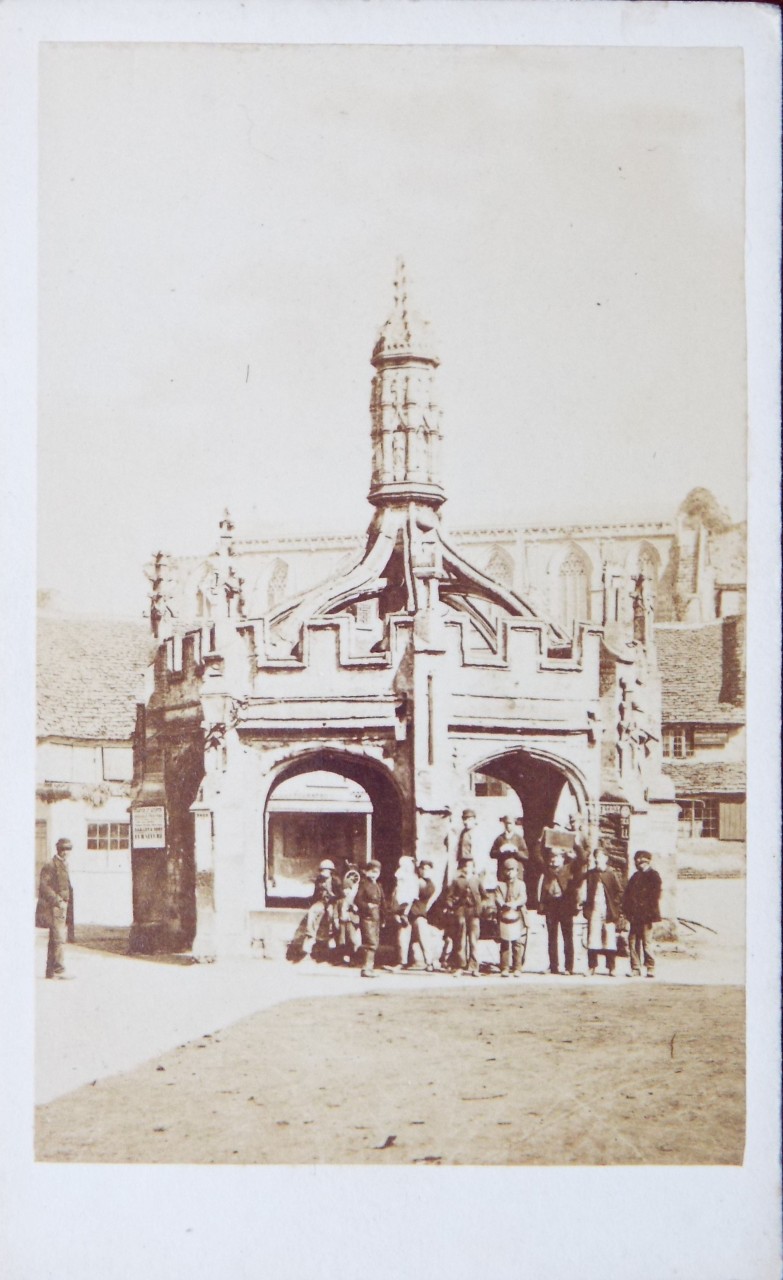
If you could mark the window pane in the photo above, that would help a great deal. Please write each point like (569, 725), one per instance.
(710, 823)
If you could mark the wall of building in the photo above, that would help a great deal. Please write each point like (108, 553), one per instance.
(101, 876)
(83, 793)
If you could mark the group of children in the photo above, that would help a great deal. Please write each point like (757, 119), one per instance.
(438, 926)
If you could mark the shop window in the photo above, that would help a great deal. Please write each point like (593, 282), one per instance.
(677, 741)
(108, 835)
(700, 819)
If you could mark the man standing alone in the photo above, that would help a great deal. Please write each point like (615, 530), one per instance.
(55, 908)
(642, 906)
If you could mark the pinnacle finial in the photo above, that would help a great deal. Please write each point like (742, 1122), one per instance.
(404, 331)
(400, 286)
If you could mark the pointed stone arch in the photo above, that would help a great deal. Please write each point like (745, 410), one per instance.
(648, 562)
(391, 832)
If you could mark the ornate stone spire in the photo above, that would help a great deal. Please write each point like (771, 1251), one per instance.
(406, 433)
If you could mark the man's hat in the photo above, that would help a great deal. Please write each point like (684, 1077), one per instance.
(468, 813)
(326, 865)
(510, 861)
(373, 866)
(461, 862)
(426, 862)
(63, 843)
(642, 855)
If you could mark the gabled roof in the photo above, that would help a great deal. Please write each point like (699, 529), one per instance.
(697, 779)
(695, 681)
(89, 676)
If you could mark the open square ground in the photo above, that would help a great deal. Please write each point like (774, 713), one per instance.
(467, 1074)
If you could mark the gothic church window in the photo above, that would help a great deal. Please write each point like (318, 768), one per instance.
(574, 588)
(500, 567)
(278, 583)
(648, 565)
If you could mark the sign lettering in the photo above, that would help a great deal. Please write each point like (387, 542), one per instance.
(148, 827)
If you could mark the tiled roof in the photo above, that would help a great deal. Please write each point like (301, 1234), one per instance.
(693, 680)
(89, 676)
(695, 779)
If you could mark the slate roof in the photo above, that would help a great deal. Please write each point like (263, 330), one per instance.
(727, 778)
(89, 676)
(690, 661)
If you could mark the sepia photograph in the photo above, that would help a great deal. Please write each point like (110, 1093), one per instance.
(392, 592)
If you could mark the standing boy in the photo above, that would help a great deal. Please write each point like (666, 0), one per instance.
(371, 906)
(327, 891)
(511, 897)
(603, 905)
(463, 910)
(642, 906)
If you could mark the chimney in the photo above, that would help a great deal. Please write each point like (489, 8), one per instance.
(733, 682)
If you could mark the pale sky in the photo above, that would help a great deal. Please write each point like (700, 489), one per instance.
(219, 227)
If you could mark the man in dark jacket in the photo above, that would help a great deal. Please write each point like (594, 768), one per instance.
(559, 902)
(55, 908)
(641, 904)
(510, 842)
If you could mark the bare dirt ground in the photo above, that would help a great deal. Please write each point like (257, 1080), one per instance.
(606, 1072)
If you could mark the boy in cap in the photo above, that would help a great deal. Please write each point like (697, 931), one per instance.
(327, 891)
(370, 903)
(55, 908)
(463, 911)
(641, 905)
(511, 897)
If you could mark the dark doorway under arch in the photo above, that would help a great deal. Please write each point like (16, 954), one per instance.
(388, 836)
(539, 784)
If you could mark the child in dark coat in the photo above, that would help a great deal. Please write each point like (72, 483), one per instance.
(371, 906)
